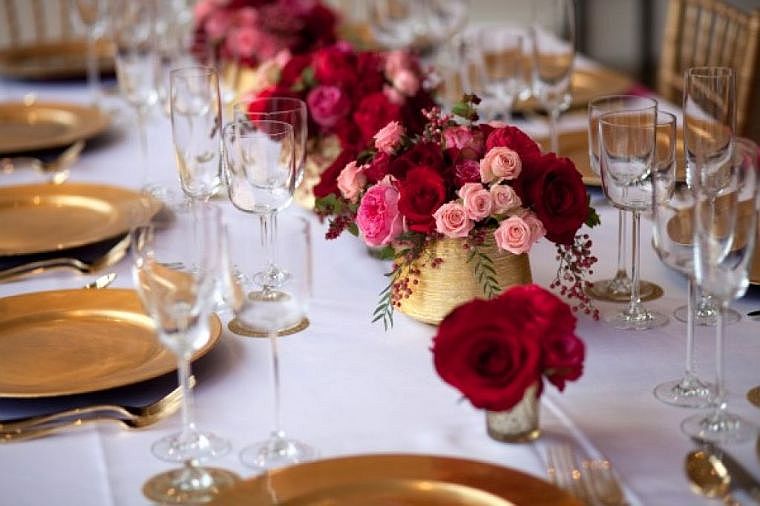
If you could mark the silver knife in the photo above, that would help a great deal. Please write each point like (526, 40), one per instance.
(741, 479)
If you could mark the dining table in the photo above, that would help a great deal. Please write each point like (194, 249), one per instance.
(351, 387)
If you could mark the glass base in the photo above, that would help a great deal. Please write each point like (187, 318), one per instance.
(719, 427)
(687, 392)
(706, 317)
(277, 451)
(619, 290)
(642, 319)
(199, 447)
(188, 485)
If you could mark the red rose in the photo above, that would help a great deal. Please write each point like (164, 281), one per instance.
(291, 72)
(378, 168)
(318, 29)
(369, 67)
(327, 105)
(421, 153)
(553, 188)
(516, 140)
(335, 66)
(479, 350)
(373, 113)
(328, 181)
(414, 120)
(422, 193)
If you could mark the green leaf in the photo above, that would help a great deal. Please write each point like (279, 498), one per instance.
(353, 229)
(592, 219)
(384, 309)
(387, 253)
(484, 271)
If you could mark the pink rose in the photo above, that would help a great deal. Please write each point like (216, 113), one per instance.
(459, 137)
(514, 235)
(393, 95)
(500, 163)
(537, 229)
(244, 41)
(504, 198)
(406, 82)
(217, 24)
(327, 105)
(388, 137)
(396, 61)
(351, 180)
(247, 16)
(378, 217)
(476, 200)
(203, 9)
(451, 220)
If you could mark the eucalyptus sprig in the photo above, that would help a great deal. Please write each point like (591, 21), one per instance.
(484, 271)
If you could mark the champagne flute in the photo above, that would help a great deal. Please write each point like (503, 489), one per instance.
(94, 15)
(673, 203)
(553, 38)
(617, 288)
(196, 117)
(709, 111)
(627, 149)
(179, 300)
(724, 234)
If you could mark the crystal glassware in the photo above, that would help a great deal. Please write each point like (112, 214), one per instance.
(673, 203)
(94, 14)
(196, 117)
(724, 234)
(617, 288)
(627, 149)
(709, 112)
(553, 41)
(176, 284)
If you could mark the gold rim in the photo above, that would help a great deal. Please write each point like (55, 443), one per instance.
(54, 60)
(67, 342)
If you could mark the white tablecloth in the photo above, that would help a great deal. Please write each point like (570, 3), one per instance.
(350, 388)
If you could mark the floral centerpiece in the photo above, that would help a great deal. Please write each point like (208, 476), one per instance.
(498, 352)
(485, 188)
(248, 32)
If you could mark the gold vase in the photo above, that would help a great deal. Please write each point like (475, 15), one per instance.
(440, 289)
(519, 424)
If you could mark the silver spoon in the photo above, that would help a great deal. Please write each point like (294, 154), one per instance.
(102, 282)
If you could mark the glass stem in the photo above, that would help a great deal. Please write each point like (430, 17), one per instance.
(267, 239)
(553, 133)
(93, 73)
(276, 382)
(634, 307)
(691, 302)
(143, 133)
(622, 271)
(720, 384)
(188, 420)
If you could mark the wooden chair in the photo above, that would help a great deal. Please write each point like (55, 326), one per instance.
(711, 32)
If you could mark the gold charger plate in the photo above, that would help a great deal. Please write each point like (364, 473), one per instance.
(53, 60)
(44, 125)
(574, 145)
(76, 341)
(411, 480)
(44, 218)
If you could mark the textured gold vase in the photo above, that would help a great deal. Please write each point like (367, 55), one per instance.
(519, 424)
(453, 282)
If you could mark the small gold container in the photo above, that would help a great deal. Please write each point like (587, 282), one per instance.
(519, 424)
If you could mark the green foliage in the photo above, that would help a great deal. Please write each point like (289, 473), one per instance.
(593, 219)
(485, 272)
(384, 310)
(306, 81)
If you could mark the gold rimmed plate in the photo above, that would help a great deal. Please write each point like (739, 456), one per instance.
(44, 125)
(411, 480)
(76, 341)
(53, 60)
(45, 218)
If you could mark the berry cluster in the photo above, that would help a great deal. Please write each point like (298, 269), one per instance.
(575, 265)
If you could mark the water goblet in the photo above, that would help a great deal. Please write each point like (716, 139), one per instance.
(553, 39)
(179, 300)
(627, 149)
(617, 288)
(94, 14)
(709, 114)
(673, 203)
(724, 233)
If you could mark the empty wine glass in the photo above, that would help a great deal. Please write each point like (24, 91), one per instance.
(724, 234)
(179, 300)
(553, 39)
(709, 112)
(617, 288)
(196, 117)
(627, 149)
(137, 67)
(673, 203)
(94, 14)
(278, 311)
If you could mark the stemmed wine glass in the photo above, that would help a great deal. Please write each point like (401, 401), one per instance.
(673, 204)
(627, 149)
(196, 117)
(137, 69)
(553, 38)
(94, 14)
(179, 299)
(709, 112)
(724, 234)
(617, 288)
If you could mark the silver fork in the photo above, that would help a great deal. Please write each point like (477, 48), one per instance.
(563, 471)
(601, 479)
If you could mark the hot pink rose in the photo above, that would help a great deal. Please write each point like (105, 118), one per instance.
(476, 200)
(378, 217)
(500, 163)
(504, 198)
(468, 171)
(351, 180)
(514, 235)
(537, 229)
(217, 24)
(244, 41)
(327, 105)
(388, 137)
(451, 220)
(406, 82)
(460, 137)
